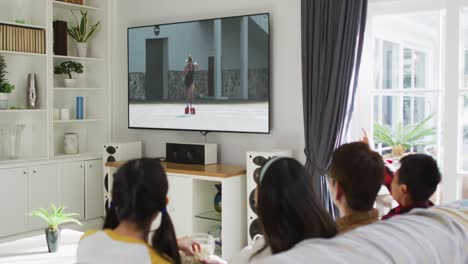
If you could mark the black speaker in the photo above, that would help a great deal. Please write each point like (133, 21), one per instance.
(200, 154)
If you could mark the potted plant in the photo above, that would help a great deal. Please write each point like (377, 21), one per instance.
(81, 33)
(69, 67)
(53, 220)
(5, 87)
(403, 137)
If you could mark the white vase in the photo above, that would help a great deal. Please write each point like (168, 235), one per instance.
(70, 83)
(82, 49)
(71, 143)
(3, 101)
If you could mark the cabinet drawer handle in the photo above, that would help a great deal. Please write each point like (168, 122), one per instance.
(24, 172)
(34, 171)
(91, 166)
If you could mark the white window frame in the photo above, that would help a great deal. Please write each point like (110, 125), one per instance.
(400, 93)
(451, 84)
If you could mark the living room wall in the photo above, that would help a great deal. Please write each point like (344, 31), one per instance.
(287, 118)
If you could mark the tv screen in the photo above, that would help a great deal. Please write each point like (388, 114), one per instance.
(207, 75)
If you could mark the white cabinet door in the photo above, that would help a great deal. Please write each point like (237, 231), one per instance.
(180, 204)
(14, 201)
(94, 189)
(43, 190)
(72, 187)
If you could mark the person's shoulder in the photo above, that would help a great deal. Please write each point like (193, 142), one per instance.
(155, 257)
(250, 252)
(88, 234)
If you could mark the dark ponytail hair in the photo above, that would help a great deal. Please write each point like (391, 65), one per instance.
(139, 191)
(288, 207)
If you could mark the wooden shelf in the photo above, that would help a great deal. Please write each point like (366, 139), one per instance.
(77, 121)
(23, 111)
(59, 4)
(78, 89)
(80, 155)
(22, 53)
(76, 58)
(21, 25)
(212, 170)
(21, 160)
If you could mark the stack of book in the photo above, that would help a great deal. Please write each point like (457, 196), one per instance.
(22, 39)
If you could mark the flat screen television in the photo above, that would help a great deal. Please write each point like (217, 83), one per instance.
(206, 75)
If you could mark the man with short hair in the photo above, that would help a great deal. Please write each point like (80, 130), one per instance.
(355, 177)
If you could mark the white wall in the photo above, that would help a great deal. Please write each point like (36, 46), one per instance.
(287, 118)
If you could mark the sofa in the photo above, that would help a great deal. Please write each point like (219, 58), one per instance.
(436, 235)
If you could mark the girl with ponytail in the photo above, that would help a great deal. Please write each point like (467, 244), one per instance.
(139, 195)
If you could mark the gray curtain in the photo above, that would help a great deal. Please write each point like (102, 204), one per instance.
(332, 40)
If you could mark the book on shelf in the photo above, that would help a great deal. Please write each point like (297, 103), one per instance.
(22, 39)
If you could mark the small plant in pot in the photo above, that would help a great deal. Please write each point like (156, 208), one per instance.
(81, 33)
(5, 87)
(402, 137)
(54, 220)
(69, 67)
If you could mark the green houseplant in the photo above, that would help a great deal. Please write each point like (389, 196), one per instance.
(5, 87)
(54, 219)
(67, 68)
(402, 137)
(82, 33)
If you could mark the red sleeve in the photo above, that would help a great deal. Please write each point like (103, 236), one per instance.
(388, 178)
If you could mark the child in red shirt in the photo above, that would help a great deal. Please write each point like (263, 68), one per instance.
(413, 183)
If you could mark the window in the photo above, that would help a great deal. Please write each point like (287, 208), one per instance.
(405, 92)
(463, 109)
(415, 65)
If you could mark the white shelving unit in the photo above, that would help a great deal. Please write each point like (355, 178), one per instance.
(43, 136)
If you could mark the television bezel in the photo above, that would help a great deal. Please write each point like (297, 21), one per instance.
(201, 130)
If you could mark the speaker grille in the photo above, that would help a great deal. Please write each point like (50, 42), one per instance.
(106, 205)
(111, 150)
(252, 202)
(259, 160)
(106, 182)
(254, 228)
(110, 159)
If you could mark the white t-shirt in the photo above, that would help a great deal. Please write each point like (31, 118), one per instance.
(107, 247)
(245, 256)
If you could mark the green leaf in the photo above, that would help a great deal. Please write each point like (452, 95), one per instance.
(80, 30)
(56, 217)
(407, 136)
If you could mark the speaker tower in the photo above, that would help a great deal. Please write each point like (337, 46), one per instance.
(117, 152)
(255, 160)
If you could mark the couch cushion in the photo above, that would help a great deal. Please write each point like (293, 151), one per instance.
(437, 235)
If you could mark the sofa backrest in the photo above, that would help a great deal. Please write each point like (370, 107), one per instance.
(437, 235)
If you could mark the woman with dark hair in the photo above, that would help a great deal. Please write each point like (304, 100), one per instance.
(288, 209)
(189, 72)
(139, 195)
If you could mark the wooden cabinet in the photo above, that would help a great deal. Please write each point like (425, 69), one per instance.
(43, 191)
(72, 187)
(94, 189)
(14, 201)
